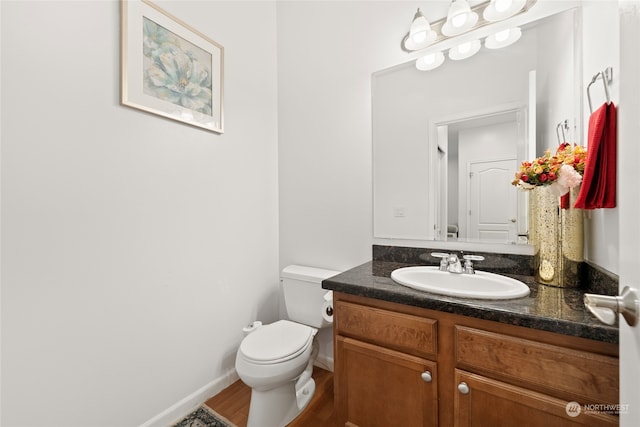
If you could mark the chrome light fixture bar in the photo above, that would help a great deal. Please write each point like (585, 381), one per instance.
(485, 14)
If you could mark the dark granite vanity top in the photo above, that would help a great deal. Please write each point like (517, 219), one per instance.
(547, 308)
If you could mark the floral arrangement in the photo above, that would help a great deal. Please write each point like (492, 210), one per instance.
(561, 171)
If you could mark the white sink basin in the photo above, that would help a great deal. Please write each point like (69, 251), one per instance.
(483, 285)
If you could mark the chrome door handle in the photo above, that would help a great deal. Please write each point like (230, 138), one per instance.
(606, 308)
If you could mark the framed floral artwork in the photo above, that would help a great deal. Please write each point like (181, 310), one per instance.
(169, 68)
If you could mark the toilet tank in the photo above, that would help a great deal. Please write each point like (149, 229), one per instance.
(303, 293)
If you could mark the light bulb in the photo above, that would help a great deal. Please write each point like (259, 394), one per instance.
(420, 33)
(429, 59)
(464, 48)
(419, 37)
(503, 38)
(459, 20)
(502, 9)
(503, 35)
(502, 5)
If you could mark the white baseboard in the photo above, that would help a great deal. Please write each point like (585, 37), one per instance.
(187, 405)
(324, 362)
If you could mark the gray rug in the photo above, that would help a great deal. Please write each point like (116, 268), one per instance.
(204, 417)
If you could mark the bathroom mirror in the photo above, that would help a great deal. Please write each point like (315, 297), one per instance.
(447, 142)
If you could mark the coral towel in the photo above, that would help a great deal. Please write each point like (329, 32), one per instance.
(599, 181)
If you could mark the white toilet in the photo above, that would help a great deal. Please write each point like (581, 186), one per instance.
(276, 360)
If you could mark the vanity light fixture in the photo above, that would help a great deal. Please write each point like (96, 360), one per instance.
(464, 50)
(502, 9)
(430, 61)
(459, 19)
(420, 33)
(503, 38)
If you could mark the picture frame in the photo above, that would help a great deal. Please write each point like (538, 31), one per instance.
(169, 68)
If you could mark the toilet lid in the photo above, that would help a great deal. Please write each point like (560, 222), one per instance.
(277, 342)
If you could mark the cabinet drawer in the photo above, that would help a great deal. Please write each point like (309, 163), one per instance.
(404, 332)
(563, 372)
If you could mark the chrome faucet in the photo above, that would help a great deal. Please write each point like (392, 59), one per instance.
(452, 264)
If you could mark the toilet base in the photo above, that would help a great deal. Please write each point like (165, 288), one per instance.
(279, 406)
(274, 408)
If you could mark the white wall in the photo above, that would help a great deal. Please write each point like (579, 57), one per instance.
(134, 248)
(597, 50)
(555, 80)
(601, 49)
(327, 51)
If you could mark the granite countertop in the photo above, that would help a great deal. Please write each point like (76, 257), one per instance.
(547, 308)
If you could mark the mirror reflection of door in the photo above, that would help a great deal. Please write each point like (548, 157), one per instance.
(480, 155)
(492, 201)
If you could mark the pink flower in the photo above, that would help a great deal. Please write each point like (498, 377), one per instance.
(568, 176)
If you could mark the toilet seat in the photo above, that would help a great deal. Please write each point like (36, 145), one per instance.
(278, 342)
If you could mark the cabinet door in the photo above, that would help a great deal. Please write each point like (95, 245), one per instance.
(480, 401)
(379, 387)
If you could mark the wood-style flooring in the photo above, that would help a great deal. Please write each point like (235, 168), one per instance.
(233, 403)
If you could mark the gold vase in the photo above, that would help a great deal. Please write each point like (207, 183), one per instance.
(557, 237)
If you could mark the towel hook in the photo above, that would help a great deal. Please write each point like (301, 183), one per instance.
(561, 128)
(607, 77)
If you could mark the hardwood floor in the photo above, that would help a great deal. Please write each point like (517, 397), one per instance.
(233, 403)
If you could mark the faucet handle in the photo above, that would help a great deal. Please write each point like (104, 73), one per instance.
(444, 257)
(468, 264)
(439, 255)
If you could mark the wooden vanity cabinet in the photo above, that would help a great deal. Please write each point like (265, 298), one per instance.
(397, 365)
(386, 373)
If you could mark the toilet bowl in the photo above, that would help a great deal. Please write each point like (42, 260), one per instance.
(276, 360)
(273, 361)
